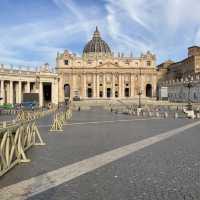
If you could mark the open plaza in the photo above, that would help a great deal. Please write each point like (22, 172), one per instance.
(100, 150)
(107, 112)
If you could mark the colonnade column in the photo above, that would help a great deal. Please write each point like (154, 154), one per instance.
(41, 94)
(97, 85)
(84, 85)
(120, 85)
(104, 85)
(2, 92)
(113, 86)
(61, 94)
(154, 87)
(142, 85)
(28, 87)
(94, 85)
(132, 85)
(11, 93)
(54, 93)
(19, 92)
(74, 85)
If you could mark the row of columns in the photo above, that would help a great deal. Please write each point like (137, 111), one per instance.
(9, 90)
(96, 86)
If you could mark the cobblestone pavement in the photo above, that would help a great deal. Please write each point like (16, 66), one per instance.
(167, 170)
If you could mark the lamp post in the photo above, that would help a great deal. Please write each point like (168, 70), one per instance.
(189, 85)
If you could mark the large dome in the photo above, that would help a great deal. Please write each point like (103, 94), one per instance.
(97, 45)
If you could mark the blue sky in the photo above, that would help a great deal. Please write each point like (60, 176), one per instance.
(31, 32)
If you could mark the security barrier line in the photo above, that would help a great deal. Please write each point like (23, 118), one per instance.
(15, 140)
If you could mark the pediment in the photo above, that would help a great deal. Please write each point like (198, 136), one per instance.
(108, 65)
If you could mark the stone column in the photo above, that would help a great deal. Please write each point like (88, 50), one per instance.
(19, 92)
(94, 85)
(2, 92)
(154, 87)
(120, 86)
(74, 85)
(61, 89)
(113, 86)
(11, 93)
(104, 85)
(97, 85)
(28, 87)
(41, 95)
(84, 85)
(132, 85)
(142, 85)
(54, 93)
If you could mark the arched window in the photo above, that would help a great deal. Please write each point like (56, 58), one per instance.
(67, 91)
(148, 90)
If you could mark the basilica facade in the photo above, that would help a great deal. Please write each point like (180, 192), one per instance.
(98, 74)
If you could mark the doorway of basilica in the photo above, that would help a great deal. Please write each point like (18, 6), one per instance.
(67, 92)
(148, 90)
(126, 92)
(89, 92)
(108, 92)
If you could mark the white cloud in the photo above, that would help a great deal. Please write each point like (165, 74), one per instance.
(161, 26)
(165, 27)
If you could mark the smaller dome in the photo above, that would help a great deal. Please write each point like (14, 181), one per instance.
(97, 45)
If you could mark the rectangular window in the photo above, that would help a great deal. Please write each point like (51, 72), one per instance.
(101, 94)
(66, 62)
(148, 63)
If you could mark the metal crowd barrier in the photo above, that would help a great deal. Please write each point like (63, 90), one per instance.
(155, 113)
(15, 139)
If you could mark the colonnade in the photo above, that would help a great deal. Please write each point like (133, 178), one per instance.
(104, 85)
(12, 91)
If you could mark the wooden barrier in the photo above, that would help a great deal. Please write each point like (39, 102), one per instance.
(14, 141)
(29, 115)
(59, 120)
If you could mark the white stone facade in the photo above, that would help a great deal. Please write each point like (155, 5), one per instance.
(97, 74)
(15, 82)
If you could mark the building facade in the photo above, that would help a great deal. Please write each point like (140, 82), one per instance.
(16, 82)
(177, 75)
(98, 74)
